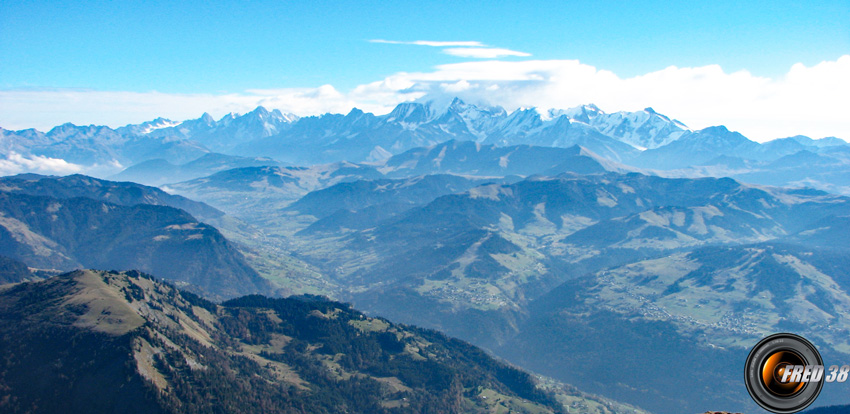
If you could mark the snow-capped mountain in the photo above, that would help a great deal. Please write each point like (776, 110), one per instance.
(556, 129)
(517, 126)
(363, 137)
(146, 127)
(229, 131)
(357, 136)
(478, 120)
(642, 138)
(645, 129)
(360, 136)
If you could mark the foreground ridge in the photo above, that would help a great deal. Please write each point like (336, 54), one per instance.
(96, 341)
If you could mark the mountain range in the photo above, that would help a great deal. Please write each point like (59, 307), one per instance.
(586, 246)
(164, 151)
(537, 270)
(491, 264)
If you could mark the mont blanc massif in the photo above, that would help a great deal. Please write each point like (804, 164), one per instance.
(439, 258)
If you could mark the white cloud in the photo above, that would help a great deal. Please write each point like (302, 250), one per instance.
(482, 52)
(457, 87)
(466, 49)
(811, 101)
(16, 163)
(431, 43)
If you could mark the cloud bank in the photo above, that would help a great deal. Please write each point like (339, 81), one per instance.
(811, 101)
(16, 163)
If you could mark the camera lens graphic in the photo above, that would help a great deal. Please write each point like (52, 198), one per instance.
(774, 369)
(767, 365)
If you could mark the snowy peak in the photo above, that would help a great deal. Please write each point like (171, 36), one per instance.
(284, 117)
(274, 117)
(464, 118)
(270, 122)
(412, 124)
(159, 123)
(645, 129)
(411, 113)
(227, 119)
(185, 129)
(665, 118)
(474, 112)
(458, 119)
(583, 113)
(642, 129)
(260, 112)
(147, 127)
(521, 121)
(222, 135)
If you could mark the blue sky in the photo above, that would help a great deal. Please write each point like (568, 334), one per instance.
(247, 49)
